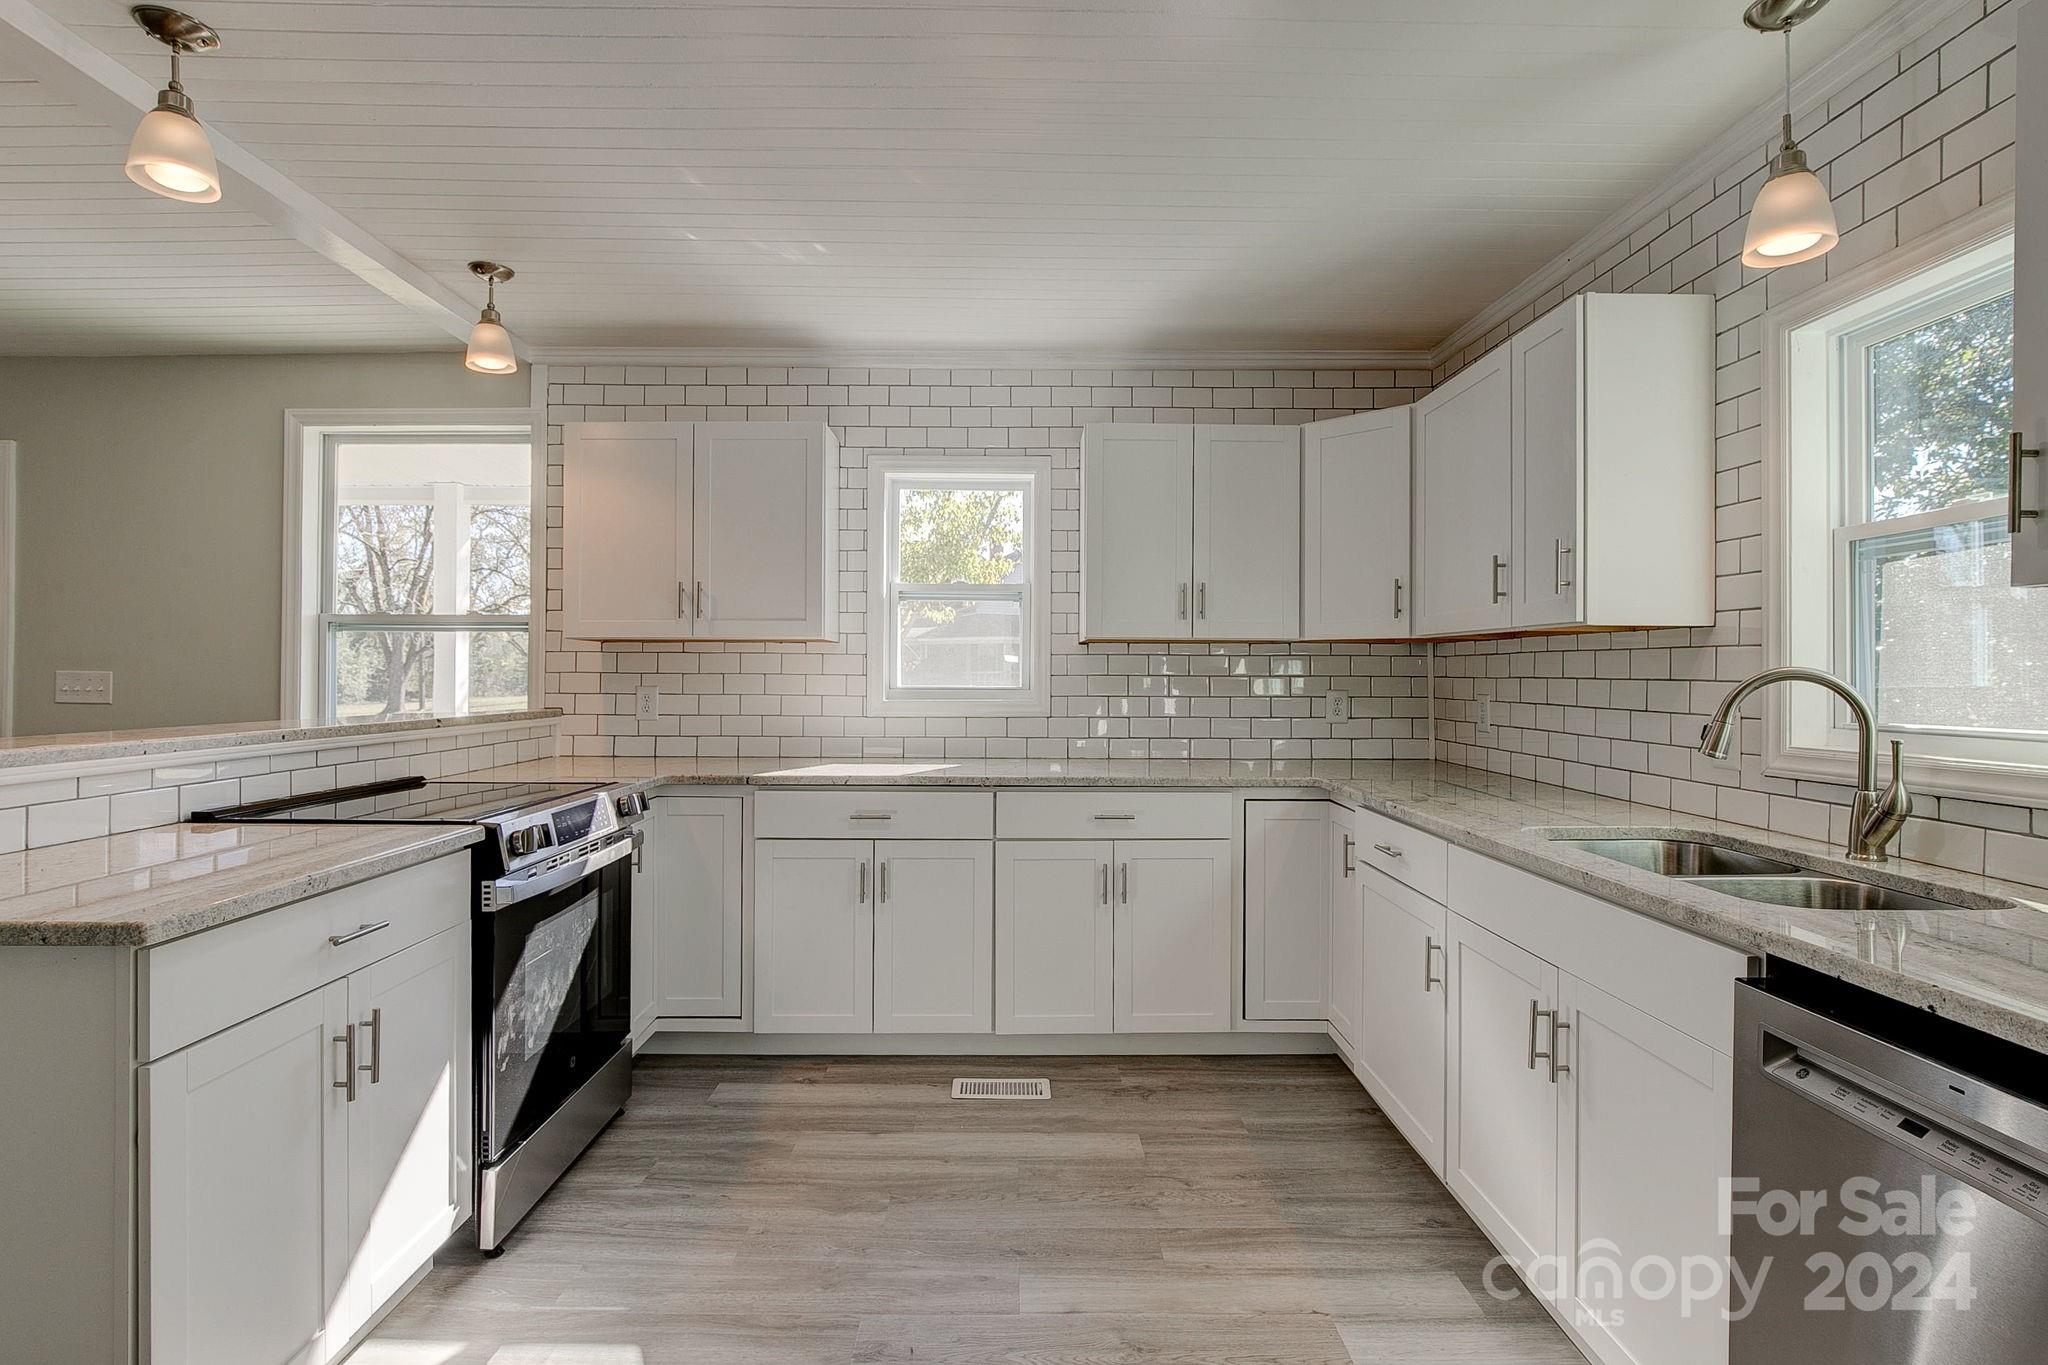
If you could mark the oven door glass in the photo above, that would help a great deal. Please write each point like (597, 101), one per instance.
(554, 1007)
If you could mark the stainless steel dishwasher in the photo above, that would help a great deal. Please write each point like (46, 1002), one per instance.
(1890, 1188)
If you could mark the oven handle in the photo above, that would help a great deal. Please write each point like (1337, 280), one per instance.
(511, 890)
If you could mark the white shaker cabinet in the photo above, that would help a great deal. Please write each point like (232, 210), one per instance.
(934, 936)
(1464, 505)
(1402, 1012)
(1355, 579)
(1345, 972)
(694, 855)
(1137, 531)
(1287, 912)
(699, 530)
(1247, 533)
(814, 936)
(1501, 1155)
(1172, 935)
(1545, 360)
(2029, 475)
(1055, 936)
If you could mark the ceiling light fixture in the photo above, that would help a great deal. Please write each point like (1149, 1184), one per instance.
(170, 154)
(1793, 219)
(490, 345)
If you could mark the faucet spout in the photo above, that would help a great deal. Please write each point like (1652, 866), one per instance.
(1877, 816)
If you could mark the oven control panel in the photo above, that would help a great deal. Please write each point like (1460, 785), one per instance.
(525, 837)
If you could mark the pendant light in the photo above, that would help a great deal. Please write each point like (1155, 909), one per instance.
(1793, 219)
(170, 154)
(490, 345)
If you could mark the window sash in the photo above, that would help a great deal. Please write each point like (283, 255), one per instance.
(899, 591)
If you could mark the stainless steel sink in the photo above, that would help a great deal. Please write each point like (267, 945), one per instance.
(1821, 893)
(1682, 857)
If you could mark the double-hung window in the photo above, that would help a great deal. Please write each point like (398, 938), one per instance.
(420, 563)
(1893, 395)
(959, 609)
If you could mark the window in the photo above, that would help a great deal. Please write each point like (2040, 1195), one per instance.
(958, 612)
(1894, 393)
(416, 591)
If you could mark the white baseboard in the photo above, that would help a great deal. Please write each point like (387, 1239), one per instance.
(988, 1044)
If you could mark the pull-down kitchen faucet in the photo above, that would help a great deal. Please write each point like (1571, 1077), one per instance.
(1877, 816)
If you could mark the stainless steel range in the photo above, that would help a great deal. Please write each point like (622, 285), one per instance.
(552, 914)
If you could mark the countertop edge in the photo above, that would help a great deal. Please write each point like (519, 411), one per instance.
(27, 756)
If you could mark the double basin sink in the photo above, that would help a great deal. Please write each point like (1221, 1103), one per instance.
(1755, 877)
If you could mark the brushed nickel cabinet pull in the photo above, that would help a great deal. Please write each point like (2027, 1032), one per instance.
(1564, 558)
(1388, 849)
(700, 599)
(374, 1025)
(1430, 980)
(1349, 866)
(1105, 883)
(1202, 601)
(882, 890)
(860, 895)
(2016, 510)
(347, 1039)
(1123, 880)
(1537, 1012)
(1499, 592)
(1183, 601)
(682, 601)
(1557, 1065)
(363, 931)
(1397, 599)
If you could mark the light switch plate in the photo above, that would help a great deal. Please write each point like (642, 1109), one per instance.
(1336, 707)
(646, 704)
(80, 686)
(1486, 717)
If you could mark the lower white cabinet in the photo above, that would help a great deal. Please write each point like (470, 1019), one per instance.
(1055, 936)
(1401, 1008)
(865, 936)
(694, 858)
(1501, 1154)
(934, 936)
(1173, 935)
(300, 1166)
(1287, 908)
(1344, 967)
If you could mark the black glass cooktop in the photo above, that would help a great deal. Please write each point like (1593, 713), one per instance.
(403, 801)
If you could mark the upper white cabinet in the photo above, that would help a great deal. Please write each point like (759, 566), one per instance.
(2030, 302)
(699, 530)
(1287, 891)
(1464, 507)
(1190, 532)
(1355, 578)
(1547, 439)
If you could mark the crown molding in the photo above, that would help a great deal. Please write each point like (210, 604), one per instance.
(1754, 132)
(970, 358)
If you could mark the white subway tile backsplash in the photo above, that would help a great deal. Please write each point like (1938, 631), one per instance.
(60, 822)
(141, 809)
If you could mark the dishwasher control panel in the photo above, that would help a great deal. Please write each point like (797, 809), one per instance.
(1941, 1146)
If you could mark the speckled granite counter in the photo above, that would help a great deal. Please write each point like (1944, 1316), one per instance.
(29, 751)
(1984, 962)
(157, 884)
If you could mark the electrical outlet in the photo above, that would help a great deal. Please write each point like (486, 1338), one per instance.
(1486, 718)
(646, 704)
(81, 686)
(1336, 707)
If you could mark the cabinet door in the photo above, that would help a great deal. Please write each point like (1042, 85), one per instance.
(1355, 582)
(2030, 299)
(245, 1189)
(814, 936)
(1247, 533)
(934, 936)
(1463, 495)
(1172, 935)
(1549, 440)
(626, 530)
(410, 1129)
(694, 848)
(1286, 908)
(1137, 532)
(1343, 876)
(1401, 1013)
(1644, 1136)
(1501, 1125)
(761, 530)
(1054, 937)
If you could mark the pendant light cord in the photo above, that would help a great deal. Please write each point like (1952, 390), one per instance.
(1788, 87)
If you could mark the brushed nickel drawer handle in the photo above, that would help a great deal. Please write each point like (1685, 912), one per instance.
(338, 940)
(872, 815)
(1389, 850)
(1115, 815)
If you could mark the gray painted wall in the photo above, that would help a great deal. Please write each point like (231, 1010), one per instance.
(150, 528)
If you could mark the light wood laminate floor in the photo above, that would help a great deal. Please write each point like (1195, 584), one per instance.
(1156, 1210)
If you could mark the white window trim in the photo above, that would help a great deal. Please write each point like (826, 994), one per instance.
(1807, 736)
(1035, 699)
(302, 637)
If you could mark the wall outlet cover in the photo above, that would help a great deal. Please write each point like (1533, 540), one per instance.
(646, 704)
(77, 686)
(1486, 717)
(1337, 707)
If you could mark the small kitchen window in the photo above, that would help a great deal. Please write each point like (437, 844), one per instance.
(959, 608)
(1892, 388)
(416, 592)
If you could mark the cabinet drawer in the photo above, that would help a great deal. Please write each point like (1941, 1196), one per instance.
(1110, 814)
(201, 984)
(1404, 854)
(875, 815)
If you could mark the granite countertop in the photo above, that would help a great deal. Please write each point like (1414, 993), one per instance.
(157, 884)
(1983, 962)
(34, 750)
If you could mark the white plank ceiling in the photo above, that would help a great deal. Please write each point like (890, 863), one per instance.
(1047, 176)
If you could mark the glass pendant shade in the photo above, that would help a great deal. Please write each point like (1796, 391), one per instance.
(490, 349)
(171, 156)
(1793, 220)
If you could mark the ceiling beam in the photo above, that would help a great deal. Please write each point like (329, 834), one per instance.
(100, 87)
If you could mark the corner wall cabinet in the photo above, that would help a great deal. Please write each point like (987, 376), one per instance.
(699, 531)
(1190, 532)
(1356, 582)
